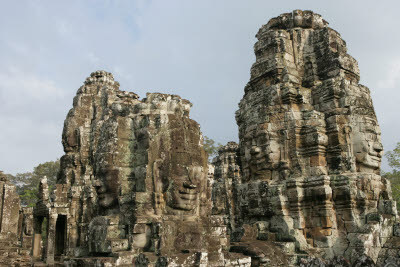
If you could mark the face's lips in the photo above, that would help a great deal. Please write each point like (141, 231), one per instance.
(185, 201)
(189, 185)
(101, 192)
(185, 206)
(188, 196)
(374, 161)
(375, 158)
(375, 154)
(187, 191)
(370, 161)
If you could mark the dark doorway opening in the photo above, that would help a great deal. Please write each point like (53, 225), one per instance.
(61, 230)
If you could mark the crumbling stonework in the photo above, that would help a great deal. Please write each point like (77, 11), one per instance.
(302, 187)
(226, 176)
(310, 147)
(133, 185)
(15, 244)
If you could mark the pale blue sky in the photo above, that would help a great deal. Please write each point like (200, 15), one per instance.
(201, 50)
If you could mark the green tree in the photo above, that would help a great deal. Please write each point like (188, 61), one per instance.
(27, 183)
(394, 176)
(394, 157)
(211, 147)
(21, 180)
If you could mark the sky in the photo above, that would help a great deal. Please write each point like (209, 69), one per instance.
(200, 50)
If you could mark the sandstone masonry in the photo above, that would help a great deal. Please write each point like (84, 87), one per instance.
(15, 227)
(310, 148)
(302, 187)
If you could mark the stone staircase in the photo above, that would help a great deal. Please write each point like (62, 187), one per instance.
(13, 255)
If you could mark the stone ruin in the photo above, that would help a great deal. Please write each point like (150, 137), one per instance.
(133, 185)
(310, 148)
(15, 227)
(302, 187)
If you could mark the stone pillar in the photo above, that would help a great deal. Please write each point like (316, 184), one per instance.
(27, 228)
(36, 246)
(37, 238)
(9, 212)
(51, 233)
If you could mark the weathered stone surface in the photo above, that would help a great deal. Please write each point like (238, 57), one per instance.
(15, 227)
(302, 187)
(134, 184)
(9, 208)
(226, 176)
(310, 147)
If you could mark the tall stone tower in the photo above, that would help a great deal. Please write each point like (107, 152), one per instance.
(132, 187)
(310, 147)
(135, 187)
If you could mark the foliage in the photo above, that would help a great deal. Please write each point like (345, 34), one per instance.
(27, 183)
(211, 147)
(44, 230)
(394, 176)
(394, 157)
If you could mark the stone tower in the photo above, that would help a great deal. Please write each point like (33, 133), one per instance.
(310, 148)
(135, 187)
(133, 184)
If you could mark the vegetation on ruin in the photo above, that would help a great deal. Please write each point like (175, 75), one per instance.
(211, 147)
(27, 183)
(394, 176)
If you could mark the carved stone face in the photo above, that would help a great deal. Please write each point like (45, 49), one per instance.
(183, 193)
(267, 157)
(367, 146)
(107, 185)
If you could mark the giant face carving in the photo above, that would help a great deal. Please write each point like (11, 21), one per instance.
(367, 146)
(107, 185)
(267, 158)
(184, 190)
(185, 175)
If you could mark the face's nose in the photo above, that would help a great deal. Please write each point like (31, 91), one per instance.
(378, 147)
(97, 183)
(99, 187)
(255, 150)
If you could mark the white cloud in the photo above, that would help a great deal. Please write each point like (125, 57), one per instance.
(17, 84)
(38, 140)
(63, 27)
(392, 79)
(18, 47)
(93, 58)
(29, 115)
(201, 50)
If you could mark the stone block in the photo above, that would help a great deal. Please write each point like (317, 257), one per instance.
(396, 229)
(306, 170)
(317, 160)
(119, 245)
